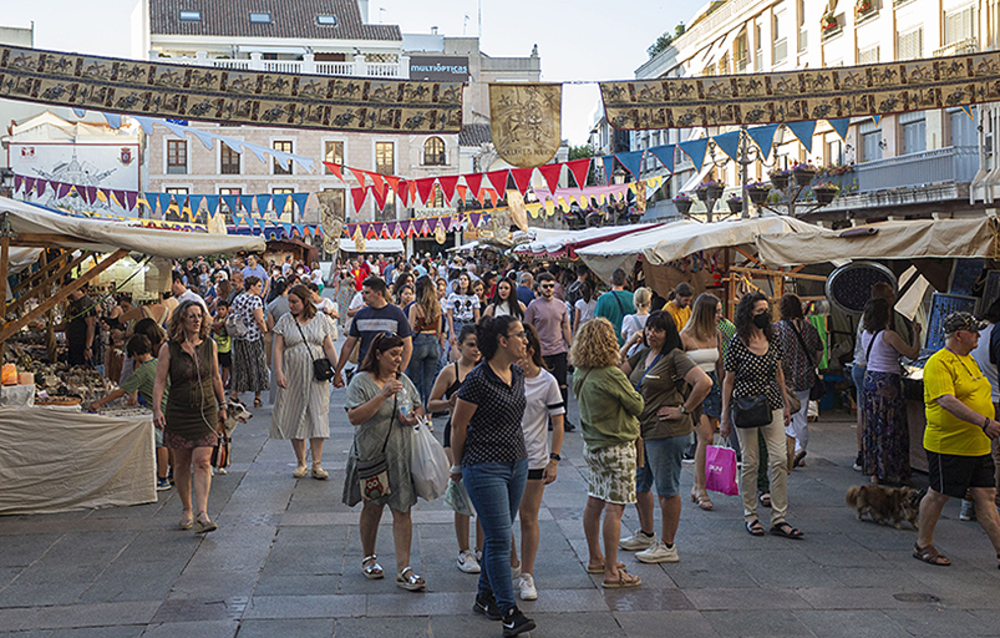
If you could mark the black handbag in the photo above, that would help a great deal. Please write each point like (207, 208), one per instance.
(751, 412)
(818, 389)
(322, 368)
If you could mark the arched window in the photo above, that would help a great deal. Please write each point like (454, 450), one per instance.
(434, 154)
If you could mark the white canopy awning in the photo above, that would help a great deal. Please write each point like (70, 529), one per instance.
(374, 246)
(554, 243)
(106, 236)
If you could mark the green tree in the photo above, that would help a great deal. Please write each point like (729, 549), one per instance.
(665, 40)
(580, 152)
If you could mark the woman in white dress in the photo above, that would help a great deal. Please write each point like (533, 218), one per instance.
(302, 408)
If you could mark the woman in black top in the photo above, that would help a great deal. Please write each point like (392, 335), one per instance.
(444, 394)
(753, 368)
(487, 439)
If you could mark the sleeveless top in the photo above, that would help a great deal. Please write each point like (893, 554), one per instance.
(883, 357)
(452, 389)
(704, 358)
(191, 407)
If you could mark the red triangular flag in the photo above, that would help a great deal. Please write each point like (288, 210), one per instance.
(358, 195)
(424, 188)
(358, 175)
(379, 198)
(448, 184)
(551, 173)
(492, 194)
(403, 191)
(474, 181)
(580, 168)
(498, 179)
(463, 192)
(522, 178)
(393, 183)
(379, 183)
(335, 169)
(412, 187)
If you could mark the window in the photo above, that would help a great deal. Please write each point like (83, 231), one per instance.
(779, 37)
(964, 130)
(385, 160)
(326, 21)
(285, 146)
(176, 157)
(190, 16)
(289, 208)
(869, 55)
(434, 154)
(333, 152)
(229, 163)
(224, 207)
(758, 40)
(176, 214)
(834, 150)
(911, 45)
(260, 18)
(959, 25)
(914, 132)
(871, 141)
(742, 53)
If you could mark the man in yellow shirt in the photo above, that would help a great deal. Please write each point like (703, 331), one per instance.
(680, 306)
(960, 425)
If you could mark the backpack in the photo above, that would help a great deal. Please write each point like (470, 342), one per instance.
(236, 326)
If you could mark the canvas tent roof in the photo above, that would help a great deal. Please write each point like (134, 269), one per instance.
(679, 239)
(945, 238)
(557, 243)
(374, 246)
(107, 236)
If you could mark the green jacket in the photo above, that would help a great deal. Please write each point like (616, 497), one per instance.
(609, 407)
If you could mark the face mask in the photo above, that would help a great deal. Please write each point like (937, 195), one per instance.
(761, 320)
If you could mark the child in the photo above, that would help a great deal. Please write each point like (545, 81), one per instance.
(223, 341)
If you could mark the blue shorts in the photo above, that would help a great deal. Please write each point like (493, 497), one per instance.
(712, 405)
(663, 466)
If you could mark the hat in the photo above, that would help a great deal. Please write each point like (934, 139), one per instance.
(962, 321)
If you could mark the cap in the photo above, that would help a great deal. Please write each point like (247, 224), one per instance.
(962, 321)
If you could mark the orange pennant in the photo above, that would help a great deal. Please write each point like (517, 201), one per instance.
(359, 175)
(335, 169)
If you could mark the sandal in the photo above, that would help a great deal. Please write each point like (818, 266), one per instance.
(703, 502)
(754, 528)
(799, 459)
(372, 571)
(591, 569)
(187, 522)
(257, 403)
(624, 580)
(764, 498)
(411, 582)
(786, 530)
(931, 556)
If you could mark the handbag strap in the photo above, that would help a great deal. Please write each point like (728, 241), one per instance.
(621, 308)
(299, 326)
(871, 343)
(802, 342)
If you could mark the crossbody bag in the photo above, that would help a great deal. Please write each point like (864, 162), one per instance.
(373, 474)
(322, 368)
(816, 389)
(752, 411)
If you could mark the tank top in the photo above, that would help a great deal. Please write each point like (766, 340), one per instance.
(704, 358)
(452, 389)
(883, 357)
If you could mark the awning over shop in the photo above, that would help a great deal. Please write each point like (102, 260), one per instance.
(374, 246)
(567, 242)
(946, 238)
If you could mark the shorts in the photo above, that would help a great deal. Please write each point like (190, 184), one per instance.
(611, 473)
(225, 359)
(712, 405)
(664, 458)
(952, 475)
(158, 435)
(536, 475)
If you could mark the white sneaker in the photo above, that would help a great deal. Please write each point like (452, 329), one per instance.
(515, 572)
(467, 562)
(527, 588)
(658, 553)
(637, 541)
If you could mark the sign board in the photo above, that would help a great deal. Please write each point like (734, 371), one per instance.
(439, 68)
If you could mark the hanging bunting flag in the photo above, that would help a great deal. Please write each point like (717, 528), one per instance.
(358, 197)
(18, 183)
(522, 178)
(412, 188)
(247, 202)
(424, 189)
(300, 200)
(403, 191)
(263, 201)
(551, 173)
(763, 137)
(114, 119)
(632, 162)
(448, 183)
(29, 185)
(164, 199)
(474, 219)
(609, 168)
(841, 125)
(64, 189)
(232, 203)
(207, 139)
(463, 192)
(379, 198)
(335, 169)
(695, 149)
(280, 201)
(877, 119)
(499, 181)
(665, 154)
(965, 109)
(212, 202)
(393, 229)
(130, 199)
(804, 132)
(393, 182)
(580, 169)
(151, 200)
(729, 143)
(40, 186)
(474, 181)
(119, 196)
(378, 183)
(358, 175)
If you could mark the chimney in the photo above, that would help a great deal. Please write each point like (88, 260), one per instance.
(434, 30)
(363, 8)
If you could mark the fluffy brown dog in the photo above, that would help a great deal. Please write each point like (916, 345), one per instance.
(885, 505)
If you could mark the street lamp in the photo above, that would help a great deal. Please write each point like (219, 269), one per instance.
(6, 181)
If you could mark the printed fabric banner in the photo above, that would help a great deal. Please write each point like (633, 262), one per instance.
(222, 95)
(794, 96)
(525, 122)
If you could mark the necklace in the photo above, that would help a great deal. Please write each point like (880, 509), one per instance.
(962, 361)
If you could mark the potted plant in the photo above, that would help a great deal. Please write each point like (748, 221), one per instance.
(825, 192)
(710, 190)
(803, 173)
(779, 177)
(757, 192)
(683, 203)
(863, 8)
(735, 203)
(828, 24)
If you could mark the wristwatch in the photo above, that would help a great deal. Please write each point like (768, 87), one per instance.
(684, 410)
(555, 457)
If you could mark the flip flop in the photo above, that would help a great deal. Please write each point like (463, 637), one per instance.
(624, 580)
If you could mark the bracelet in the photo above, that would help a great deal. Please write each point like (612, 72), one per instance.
(555, 457)
(986, 423)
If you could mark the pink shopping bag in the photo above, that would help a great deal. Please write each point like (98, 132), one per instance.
(720, 470)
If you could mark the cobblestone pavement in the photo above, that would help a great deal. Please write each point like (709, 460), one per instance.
(286, 563)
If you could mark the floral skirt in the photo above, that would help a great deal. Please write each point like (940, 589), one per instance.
(886, 441)
(611, 473)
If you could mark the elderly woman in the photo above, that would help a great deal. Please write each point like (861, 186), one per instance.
(659, 371)
(188, 360)
(753, 373)
(302, 408)
(249, 357)
(383, 406)
(609, 410)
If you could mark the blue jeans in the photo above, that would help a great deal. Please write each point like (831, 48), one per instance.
(496, 490)
(423, 364)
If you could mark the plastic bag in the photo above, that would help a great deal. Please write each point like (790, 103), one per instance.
(720, 470)
(428, 463)
(457, 498)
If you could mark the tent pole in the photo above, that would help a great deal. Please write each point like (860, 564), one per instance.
(40, 289)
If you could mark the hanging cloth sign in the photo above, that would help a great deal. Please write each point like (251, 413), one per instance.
(525, 122)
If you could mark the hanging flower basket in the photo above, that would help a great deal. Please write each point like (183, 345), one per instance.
(758, 193)
(825, 192)
(710, 190)
(804, 174)
(780, 178)
(735, 204)
(683, 203)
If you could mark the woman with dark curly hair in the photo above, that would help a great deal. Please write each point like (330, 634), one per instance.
(753, 373)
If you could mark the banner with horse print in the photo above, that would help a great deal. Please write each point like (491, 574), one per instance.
(213, 94)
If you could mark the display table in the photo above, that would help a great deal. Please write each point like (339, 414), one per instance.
(17, 396)
(52, 460)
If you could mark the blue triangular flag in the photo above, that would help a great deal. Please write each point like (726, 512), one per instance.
(804, 132)
(632, 162)
(968, 111)
(280, 201)
(196, 201)
(665, 154)
(609, 167)
(114, 120)
(841, 126)
(695, 149)
(263, 201)
(80, 112)
(151, 199)
(300, 200)
(288, 229)
(729, 143)
(763, 137)
(877, 119)
(164, 202)
(207, 139)
(213, 203)
(232, 204)
(247, 201)
(145, 122)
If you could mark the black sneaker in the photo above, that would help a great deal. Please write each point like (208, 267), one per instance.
(486, 605)
(515, 623)
(859, 463)
(568, 426)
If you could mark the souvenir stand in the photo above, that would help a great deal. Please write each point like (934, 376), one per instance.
(110, 459)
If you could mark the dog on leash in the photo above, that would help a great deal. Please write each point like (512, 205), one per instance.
(236, 413)
(885, 505)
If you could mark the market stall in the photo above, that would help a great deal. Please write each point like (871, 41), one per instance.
(563, 244)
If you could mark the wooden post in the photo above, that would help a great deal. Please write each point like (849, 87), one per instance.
(40, 289)
(50, 328)
(41, 272)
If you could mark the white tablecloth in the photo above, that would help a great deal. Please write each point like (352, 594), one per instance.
(17, 396)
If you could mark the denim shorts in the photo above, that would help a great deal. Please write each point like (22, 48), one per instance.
(712, 405)
(663, 466)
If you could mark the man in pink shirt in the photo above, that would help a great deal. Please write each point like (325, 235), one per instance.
(551, 320)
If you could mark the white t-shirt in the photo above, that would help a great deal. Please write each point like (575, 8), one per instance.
(632, 325)
(982, 356)
(543, 399)
(463, 307)
(586, 310)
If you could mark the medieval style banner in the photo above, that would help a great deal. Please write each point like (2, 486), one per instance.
(223, 95)
(525, 122)
(791, 96)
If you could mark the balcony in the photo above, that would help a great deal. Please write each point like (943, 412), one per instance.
(359, 67)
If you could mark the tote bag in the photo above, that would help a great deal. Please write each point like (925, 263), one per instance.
(720, 470)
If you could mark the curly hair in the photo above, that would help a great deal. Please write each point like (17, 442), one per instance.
(744, 316)
(175, 331)
(595, 345)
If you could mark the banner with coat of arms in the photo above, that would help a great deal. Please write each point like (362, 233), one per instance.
(525, 122)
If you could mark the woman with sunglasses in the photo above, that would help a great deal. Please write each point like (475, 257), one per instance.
(488, 443)
(383, 406)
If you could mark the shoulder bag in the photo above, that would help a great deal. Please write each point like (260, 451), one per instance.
(373, 474)
(235, 325)
(322, 368)
(752, 411)
(817, 389)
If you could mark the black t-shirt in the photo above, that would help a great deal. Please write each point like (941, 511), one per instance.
(76, 331)
(370, 322)
(494, 434)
